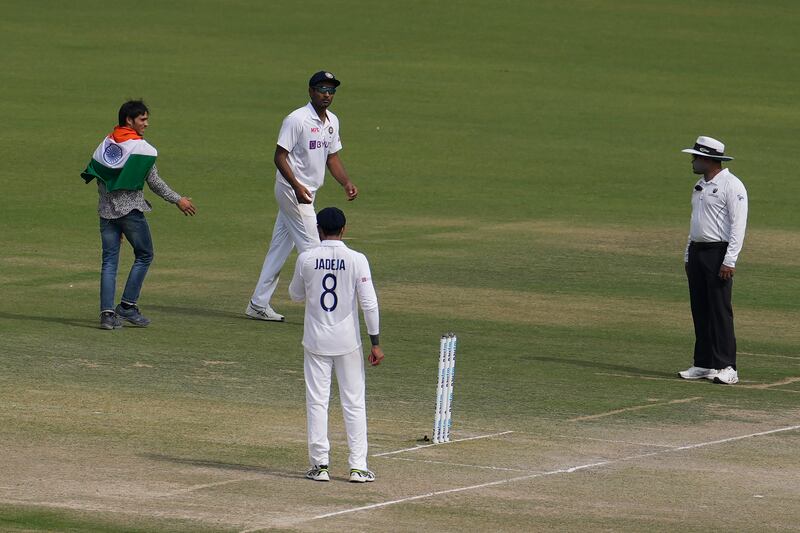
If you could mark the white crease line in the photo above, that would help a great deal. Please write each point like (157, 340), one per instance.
(674, 380)
(70, 506)
(486, 467)
(636, 376)
(779, 383)
(794, 357)
(460, 489)
(731, 439)
(421, 446)
(619, 441)
(634, 408)
(203, 486)
(550, 473)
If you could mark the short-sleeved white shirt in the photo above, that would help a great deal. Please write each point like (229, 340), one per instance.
(334, 280)
(309, 142)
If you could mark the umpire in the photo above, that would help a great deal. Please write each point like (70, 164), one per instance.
(716, 234)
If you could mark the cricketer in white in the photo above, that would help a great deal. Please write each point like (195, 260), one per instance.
(334, 280)
(308, 143)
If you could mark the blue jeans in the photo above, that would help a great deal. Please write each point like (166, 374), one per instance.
(134, 227)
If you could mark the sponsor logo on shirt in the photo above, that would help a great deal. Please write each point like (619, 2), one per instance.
(314, 130)
(313, 145)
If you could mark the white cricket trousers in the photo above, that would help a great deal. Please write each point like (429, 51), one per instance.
(296, 225)
(349, 370)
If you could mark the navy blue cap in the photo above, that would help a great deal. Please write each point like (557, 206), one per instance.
(323, 75)
(331, 220)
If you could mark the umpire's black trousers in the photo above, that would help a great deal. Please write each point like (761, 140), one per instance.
(712, 312)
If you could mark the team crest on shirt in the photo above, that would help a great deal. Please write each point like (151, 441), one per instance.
(330, 130)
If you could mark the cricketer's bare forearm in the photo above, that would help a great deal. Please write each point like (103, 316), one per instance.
(282, 162)
(336, 167)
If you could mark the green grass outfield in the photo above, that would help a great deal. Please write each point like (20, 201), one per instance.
(521, 184)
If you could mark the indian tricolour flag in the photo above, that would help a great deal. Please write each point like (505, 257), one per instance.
(121, 165)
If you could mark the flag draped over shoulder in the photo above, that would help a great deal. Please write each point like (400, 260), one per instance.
(122, 161)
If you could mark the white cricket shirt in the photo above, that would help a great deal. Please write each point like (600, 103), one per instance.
(719, 214)
(333, 280)
(309, 142)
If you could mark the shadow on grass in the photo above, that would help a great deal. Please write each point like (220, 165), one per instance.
(238, 467)
(213, 313)
(603, 366)
(194, 311)
(92, 324)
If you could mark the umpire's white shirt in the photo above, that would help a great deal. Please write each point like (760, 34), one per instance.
(719, 214)
(309, 142)
(334, 280)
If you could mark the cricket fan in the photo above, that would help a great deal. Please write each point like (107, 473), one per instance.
(122, 164)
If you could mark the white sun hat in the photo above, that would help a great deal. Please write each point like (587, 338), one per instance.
(708, 147)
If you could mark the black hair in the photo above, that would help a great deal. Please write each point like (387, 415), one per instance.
(132, 109)
(331, 220)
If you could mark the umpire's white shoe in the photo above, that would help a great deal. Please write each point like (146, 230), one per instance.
(318, 473)
(697, 372)
(266, 313)
(361, 476)
(727, 376)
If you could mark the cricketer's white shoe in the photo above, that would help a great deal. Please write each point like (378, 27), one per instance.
(361, 476)
(727, 376)
(697, 372)
(318, 473)
(267, 313)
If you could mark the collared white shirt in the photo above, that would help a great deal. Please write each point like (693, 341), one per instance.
(309, 142)
(333, 280)
(719, 214)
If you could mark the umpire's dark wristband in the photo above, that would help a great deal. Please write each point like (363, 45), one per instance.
(375, 340)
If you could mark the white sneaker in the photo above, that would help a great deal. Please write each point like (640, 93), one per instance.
(318, 473)
(727, 376)
(697, 372)
(361, 476)
(267, 313)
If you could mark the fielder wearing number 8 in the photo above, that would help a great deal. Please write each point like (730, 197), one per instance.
(334, 280)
